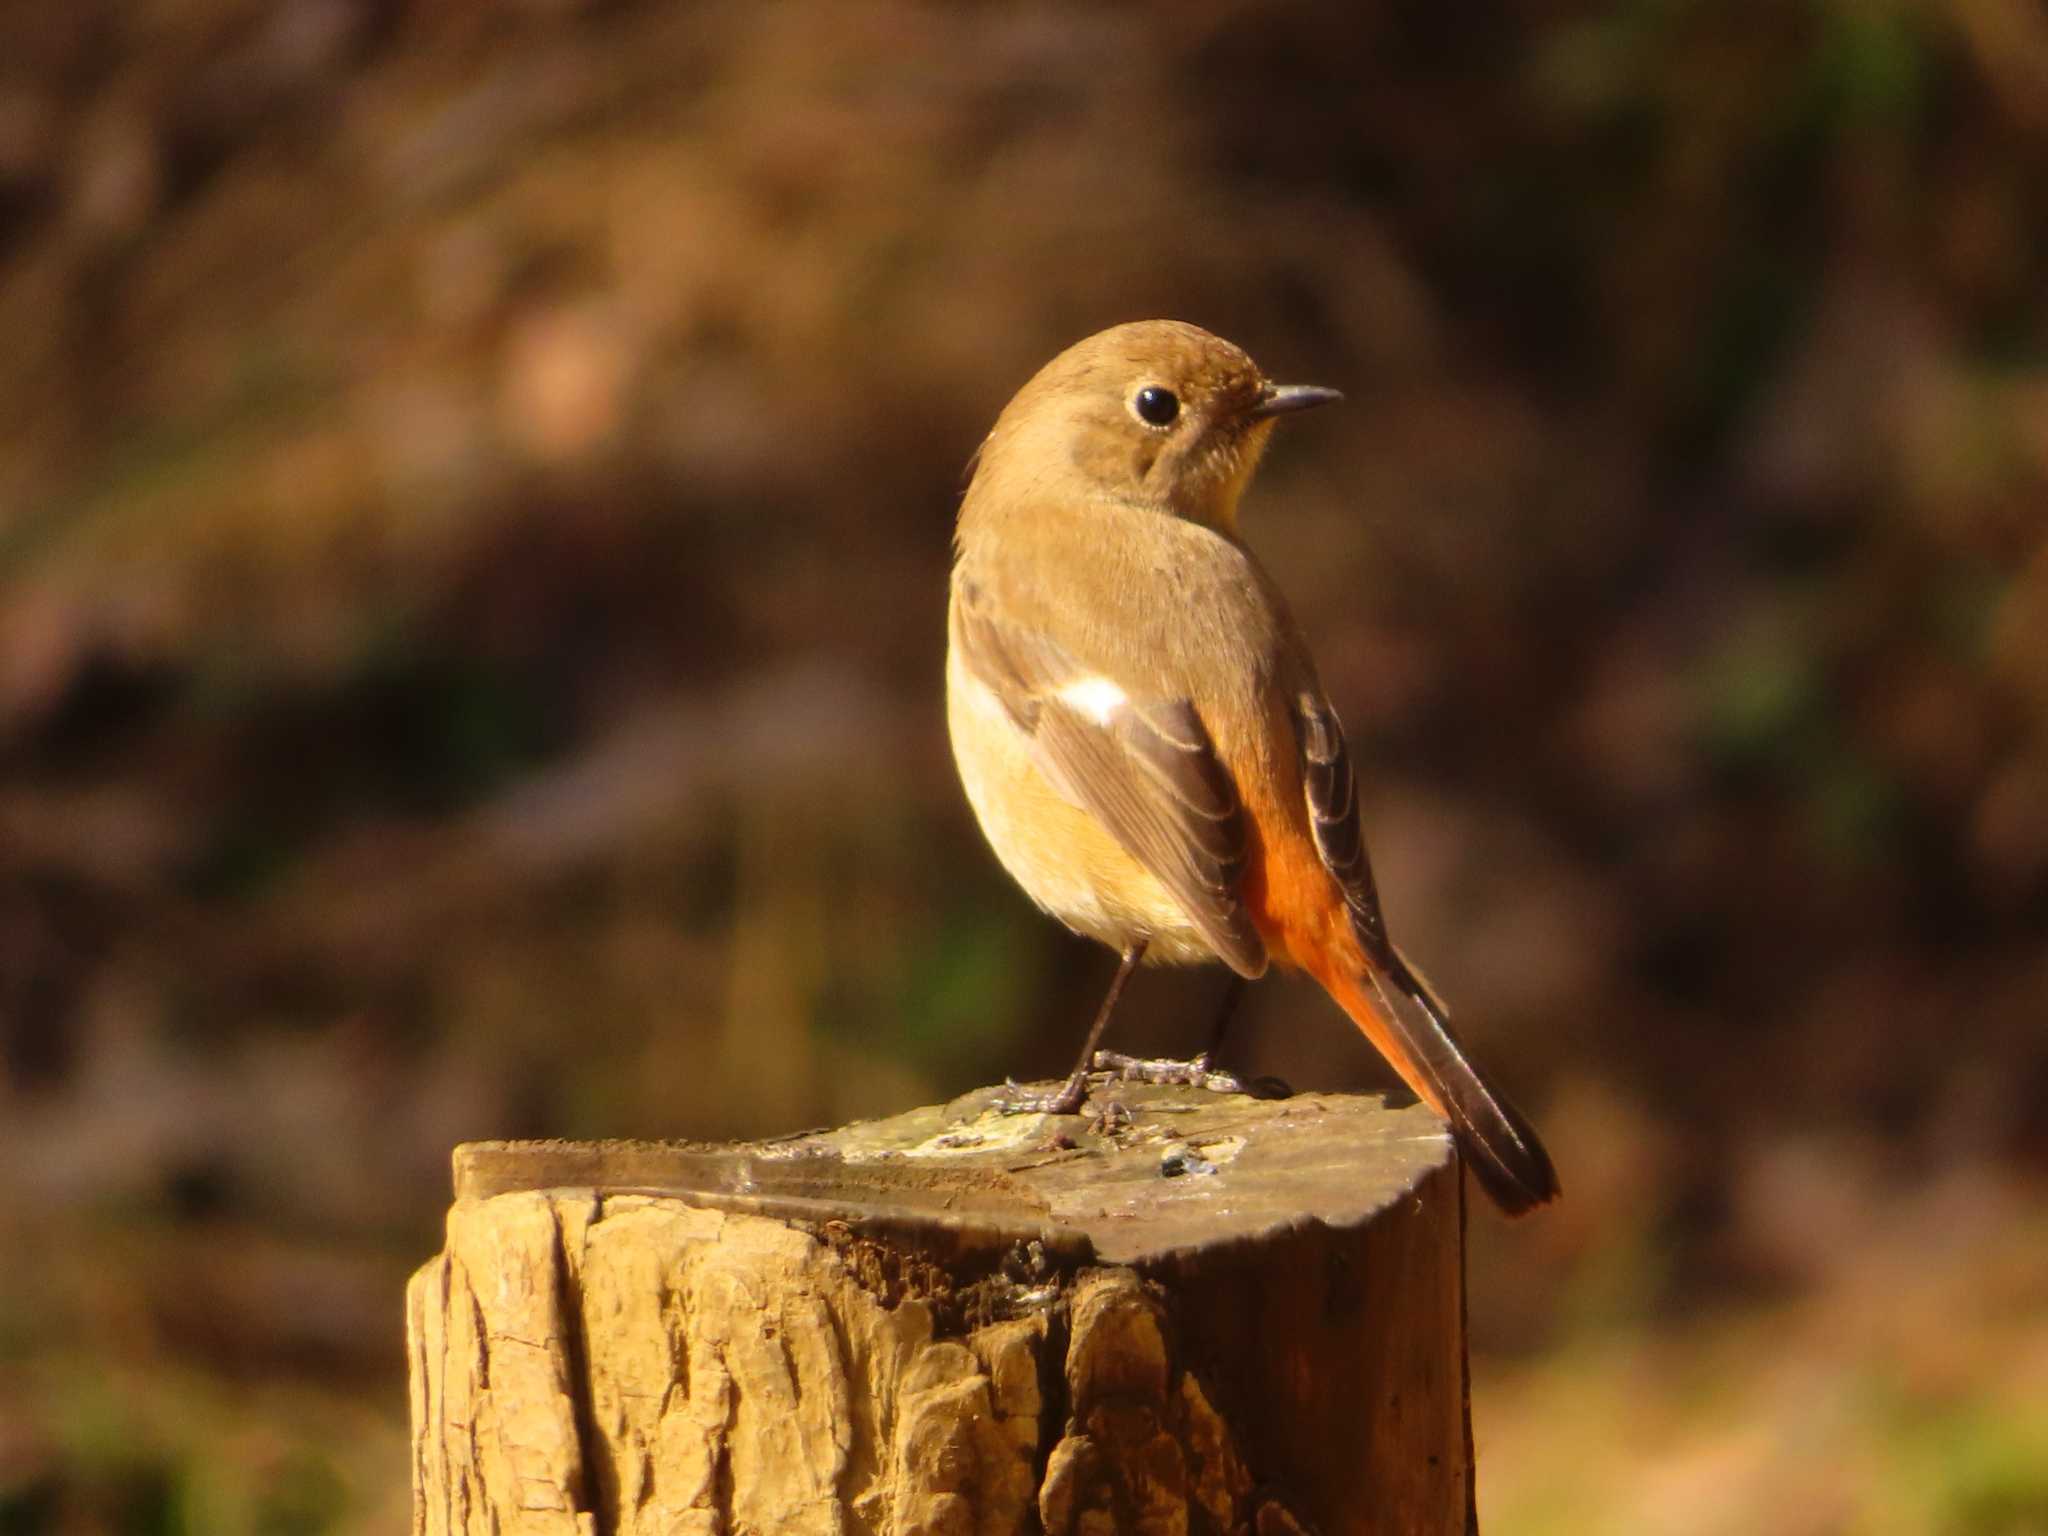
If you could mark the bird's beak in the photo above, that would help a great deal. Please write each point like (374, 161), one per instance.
(1279, 399)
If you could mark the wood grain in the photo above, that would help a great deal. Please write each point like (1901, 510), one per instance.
(1225, 1315)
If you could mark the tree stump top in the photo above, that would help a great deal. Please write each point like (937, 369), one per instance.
(1218, 1314)
(1191, 1172)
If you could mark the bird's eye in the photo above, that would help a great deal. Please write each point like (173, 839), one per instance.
(1154, 406)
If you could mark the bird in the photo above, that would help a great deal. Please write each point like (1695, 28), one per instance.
(1139, 726)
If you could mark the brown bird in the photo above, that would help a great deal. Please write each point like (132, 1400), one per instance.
(1139, 725)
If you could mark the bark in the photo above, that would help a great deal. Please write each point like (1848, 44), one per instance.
(1225, 1316)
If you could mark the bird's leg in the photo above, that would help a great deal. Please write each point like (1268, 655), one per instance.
(1193, 1072)
(1196, 1072)
(1226, 1010)
(1069, 1095)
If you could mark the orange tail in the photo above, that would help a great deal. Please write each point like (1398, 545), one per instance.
(1499, 1145)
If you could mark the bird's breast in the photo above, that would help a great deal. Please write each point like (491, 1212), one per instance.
(1054, 849)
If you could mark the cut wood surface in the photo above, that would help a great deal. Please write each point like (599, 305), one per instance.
(1221, 1315)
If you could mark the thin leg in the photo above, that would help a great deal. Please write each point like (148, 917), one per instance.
(1198, 1072)
(1068, 1097)
(1225, 1012)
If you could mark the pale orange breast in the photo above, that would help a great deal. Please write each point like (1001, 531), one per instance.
(1051, 847)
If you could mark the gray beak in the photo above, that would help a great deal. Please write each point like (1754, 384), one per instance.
(1279, 399)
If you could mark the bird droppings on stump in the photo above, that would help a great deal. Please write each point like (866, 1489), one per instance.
(948, 1322)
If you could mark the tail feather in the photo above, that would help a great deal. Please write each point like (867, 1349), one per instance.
(1497, 1141)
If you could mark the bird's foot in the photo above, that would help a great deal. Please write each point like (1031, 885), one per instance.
(1106, 1117)
(1193, 1073)
(1067, 1099)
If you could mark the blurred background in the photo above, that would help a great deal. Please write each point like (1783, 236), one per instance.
(475, 490)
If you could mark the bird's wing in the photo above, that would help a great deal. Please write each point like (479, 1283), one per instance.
(1333, 817)
(1144, 767)
(1414, 1030)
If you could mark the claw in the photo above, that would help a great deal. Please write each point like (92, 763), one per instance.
(1016, 1099)
(1195, 1073)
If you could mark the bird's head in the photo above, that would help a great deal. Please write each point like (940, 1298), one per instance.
(1156, 411)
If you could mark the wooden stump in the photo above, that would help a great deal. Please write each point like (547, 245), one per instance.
(1227, 1315)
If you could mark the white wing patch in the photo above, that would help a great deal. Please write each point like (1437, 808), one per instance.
(1096, 697)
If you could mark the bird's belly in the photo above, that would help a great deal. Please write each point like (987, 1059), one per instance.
(1053, 848)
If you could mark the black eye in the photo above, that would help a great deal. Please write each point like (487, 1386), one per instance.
(1155, 407)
